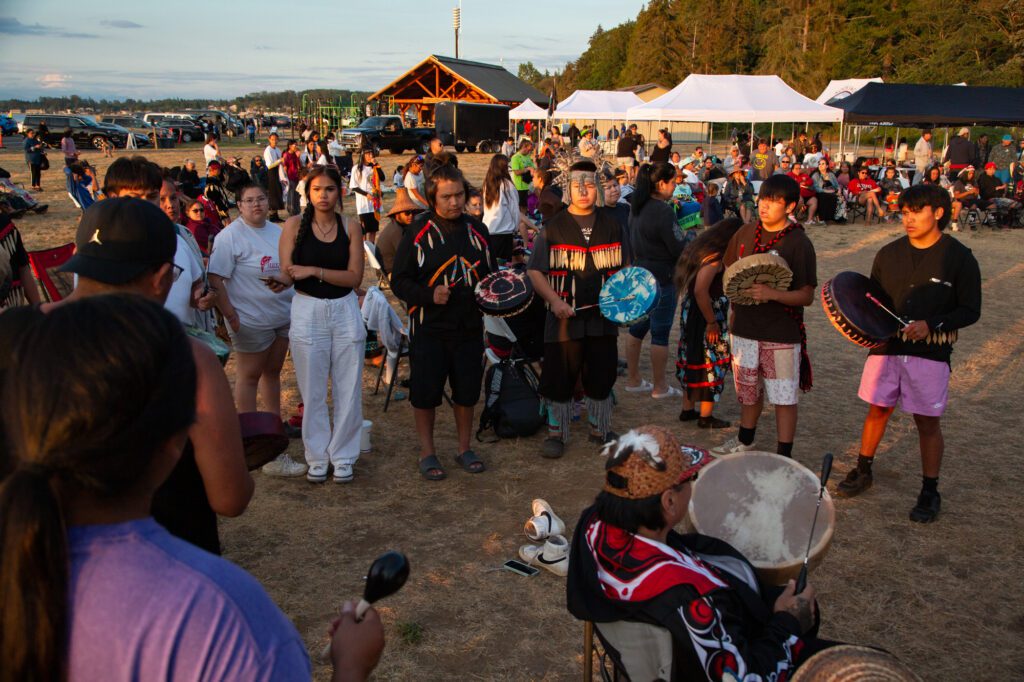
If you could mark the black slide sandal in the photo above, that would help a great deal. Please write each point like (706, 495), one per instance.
(432, 464)
(470, 462)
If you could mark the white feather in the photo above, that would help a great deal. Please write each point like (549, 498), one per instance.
(638, 442)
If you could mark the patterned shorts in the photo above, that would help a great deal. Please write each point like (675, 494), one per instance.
(764, 367)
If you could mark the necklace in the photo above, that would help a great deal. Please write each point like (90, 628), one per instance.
(323, 233)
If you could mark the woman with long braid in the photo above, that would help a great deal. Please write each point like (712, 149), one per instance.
(322, 254)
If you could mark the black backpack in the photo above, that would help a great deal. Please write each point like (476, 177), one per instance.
(511, 403)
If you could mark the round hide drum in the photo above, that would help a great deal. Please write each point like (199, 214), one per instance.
(212, 341)
(763, 505)
(858, 318)
(263, 437)
(628, 296)
(503, 293)
(850, 663)
(760, 268)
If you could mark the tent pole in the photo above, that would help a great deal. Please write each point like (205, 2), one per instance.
(841, 140)
(896, 146)
(771, 135)
(711, 135)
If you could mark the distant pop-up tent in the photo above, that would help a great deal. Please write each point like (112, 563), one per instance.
(843, 88)
(527, 111)
(926, 106)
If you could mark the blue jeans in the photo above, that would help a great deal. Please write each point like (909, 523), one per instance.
(659, 322)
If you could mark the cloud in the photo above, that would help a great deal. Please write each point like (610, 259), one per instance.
(12, 26)
(51, 81)
(120, 23)
(265, 48)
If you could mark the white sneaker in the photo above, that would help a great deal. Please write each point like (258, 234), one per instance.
(732, 446)
(553, 555)
(284, 467)
(317, 473)
(343, 473)
(544, 523)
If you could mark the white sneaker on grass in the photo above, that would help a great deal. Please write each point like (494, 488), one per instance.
(544, 522)
(553, 555)
(284, 467)
(732, 446)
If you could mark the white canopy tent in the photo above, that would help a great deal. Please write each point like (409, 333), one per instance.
(527, 111)
(596, 105)
(734, 99)
(844, 88)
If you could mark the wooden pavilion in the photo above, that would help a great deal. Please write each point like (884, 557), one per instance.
(439, 79)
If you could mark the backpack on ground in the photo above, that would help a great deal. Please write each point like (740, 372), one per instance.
(511, 402)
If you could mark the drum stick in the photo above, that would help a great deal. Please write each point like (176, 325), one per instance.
(826, 471)
(882, 306)
(594, 305)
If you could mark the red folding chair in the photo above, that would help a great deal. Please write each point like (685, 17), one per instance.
(55, 285)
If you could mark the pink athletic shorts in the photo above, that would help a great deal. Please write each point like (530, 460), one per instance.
(917, 385)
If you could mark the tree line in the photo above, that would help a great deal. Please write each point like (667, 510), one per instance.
(282, 101)
(806, 42)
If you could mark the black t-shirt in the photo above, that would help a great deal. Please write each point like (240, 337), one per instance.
(987, 186)
(771, 321)
(626, 146)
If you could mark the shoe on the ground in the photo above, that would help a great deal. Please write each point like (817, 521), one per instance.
(713, 422)
(732, 446)
(343, 473)
(927, 507)
(317, 473)
(552, 555)
(544, 522)
(552, 448)
(855, 483)
(688, 415)
(284, 467)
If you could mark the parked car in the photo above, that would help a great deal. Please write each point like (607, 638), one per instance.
(85, 130)
(141, 129)
(182, 129)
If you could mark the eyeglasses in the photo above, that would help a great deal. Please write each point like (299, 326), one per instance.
(254, 201)
(176, 271)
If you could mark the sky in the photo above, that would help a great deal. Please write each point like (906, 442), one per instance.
(187, 48)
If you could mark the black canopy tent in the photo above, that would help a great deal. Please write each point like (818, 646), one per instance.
(926, 106)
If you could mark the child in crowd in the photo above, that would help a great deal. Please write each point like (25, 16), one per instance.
(396, 179)
(769, 341)
(711, 209)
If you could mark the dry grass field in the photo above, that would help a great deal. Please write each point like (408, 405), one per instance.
(948, 597)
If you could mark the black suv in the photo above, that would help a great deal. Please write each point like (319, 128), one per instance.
(85, 130)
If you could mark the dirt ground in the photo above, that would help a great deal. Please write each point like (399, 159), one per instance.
(948, 597)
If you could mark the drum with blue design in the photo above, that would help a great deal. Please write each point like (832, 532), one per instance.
(628, 296)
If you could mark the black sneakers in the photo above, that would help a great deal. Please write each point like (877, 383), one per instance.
(854, 484)
(927, 507)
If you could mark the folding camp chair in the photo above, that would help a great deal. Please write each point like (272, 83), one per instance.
(854, 208)
(45, 264)
(619, 657)
(373, 257)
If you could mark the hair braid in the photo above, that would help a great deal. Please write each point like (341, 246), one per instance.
(305, 223)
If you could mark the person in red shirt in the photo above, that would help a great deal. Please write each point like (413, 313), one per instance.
(808, 197)
(865, 192)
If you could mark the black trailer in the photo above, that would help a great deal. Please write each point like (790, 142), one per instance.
(476, 127)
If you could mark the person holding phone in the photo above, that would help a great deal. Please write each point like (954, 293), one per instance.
(245, 269)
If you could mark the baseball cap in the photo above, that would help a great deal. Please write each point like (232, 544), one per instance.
(990, 165)
(119, 239)
(687, 161)
(1008, 138)
(647, 461)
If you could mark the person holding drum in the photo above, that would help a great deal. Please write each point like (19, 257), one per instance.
(704, 355)
(322, 257)
(244, 269)
(769, 340)
(577, 250)
(656, 245)
(441, 258)
(630, 570)
(935, 284)
(127, 245)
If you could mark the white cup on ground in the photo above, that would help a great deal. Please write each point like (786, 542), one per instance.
(364, 441)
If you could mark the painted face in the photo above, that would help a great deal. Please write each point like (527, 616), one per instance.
(583, 193)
